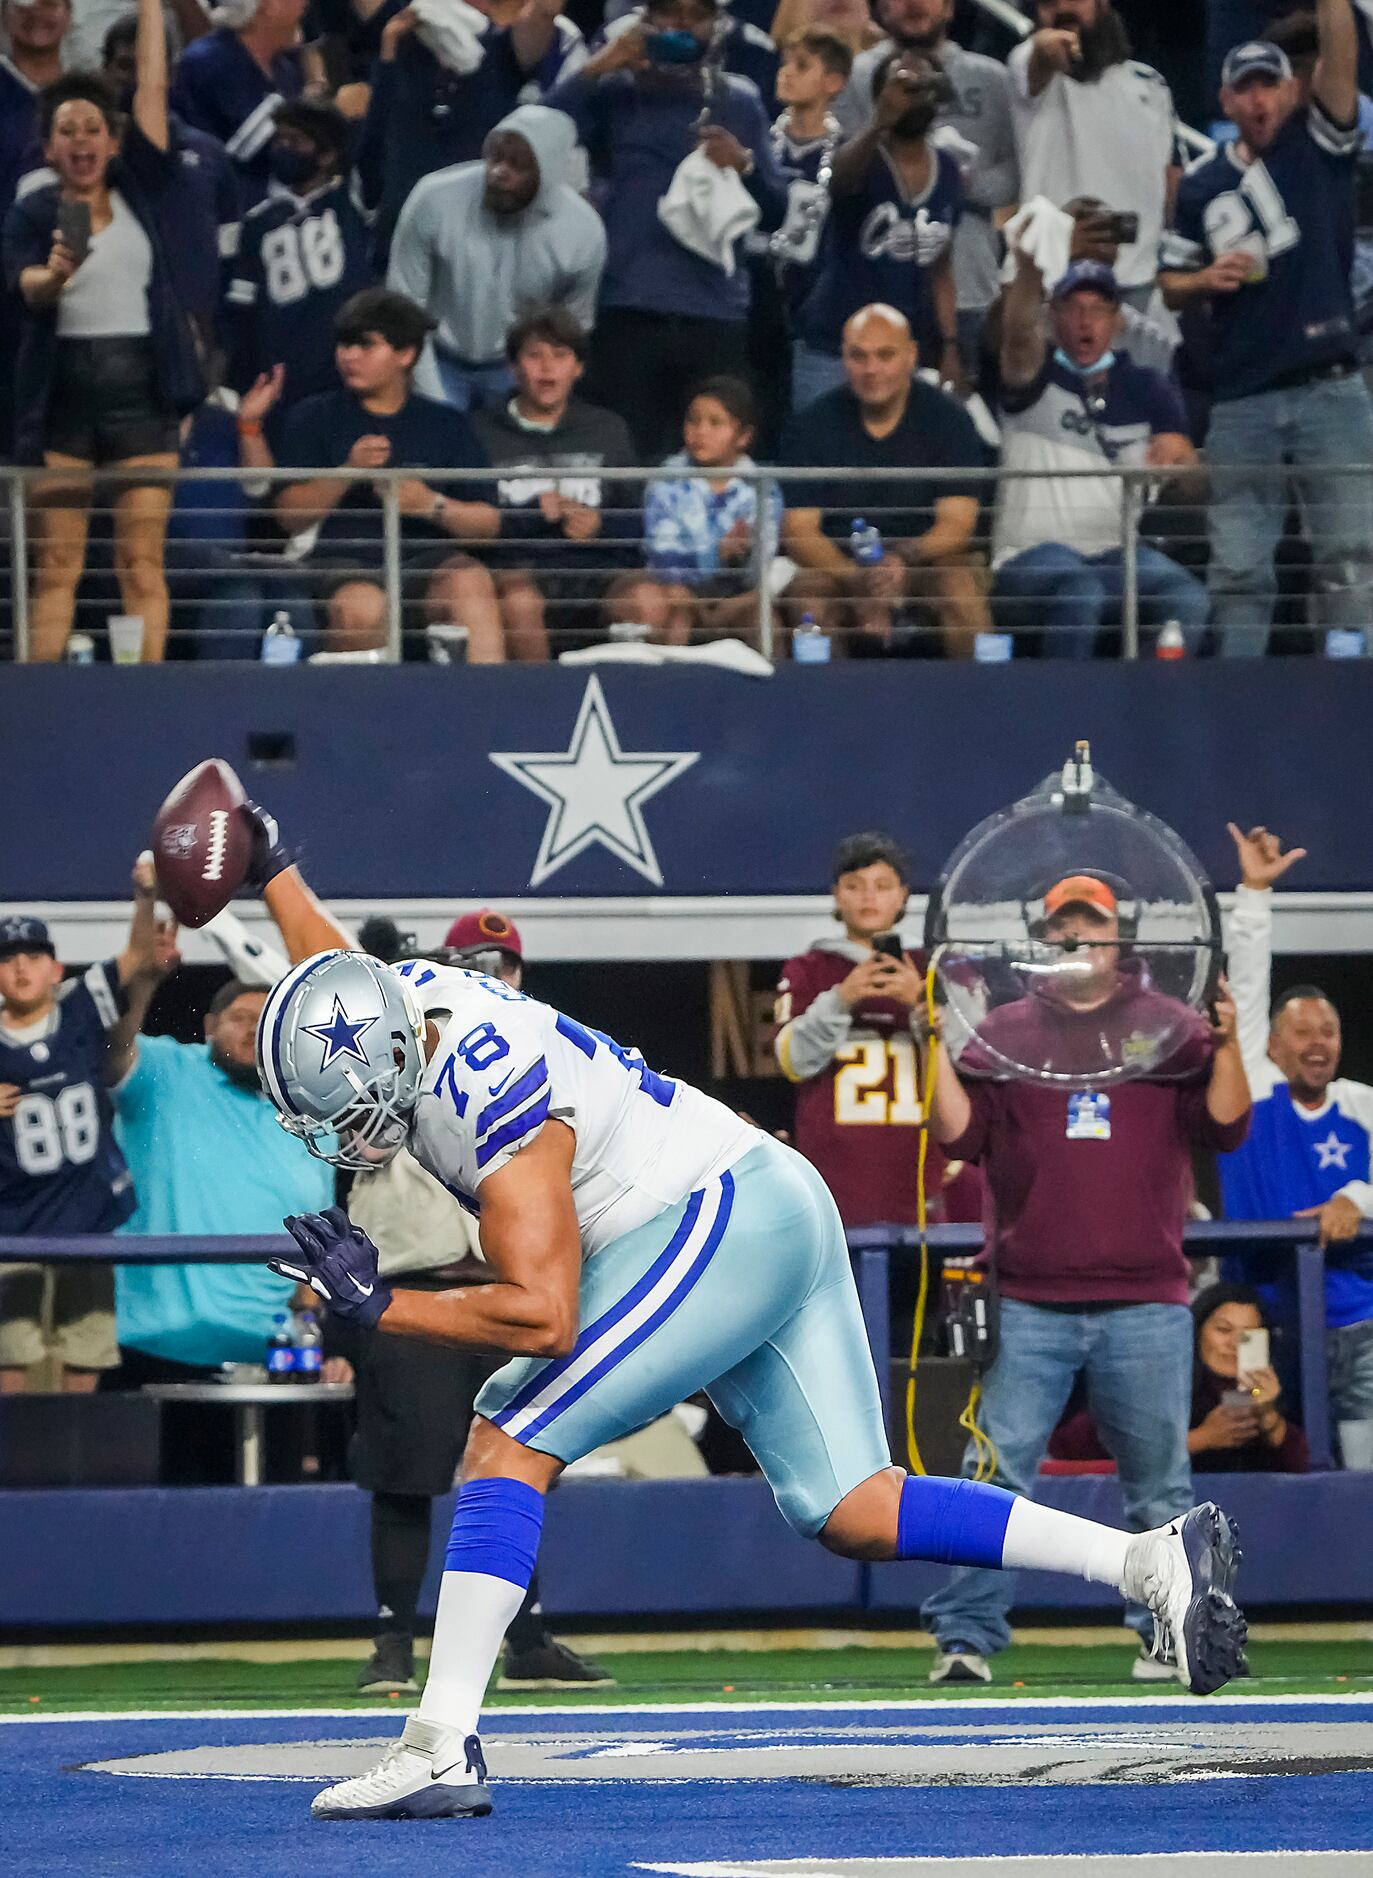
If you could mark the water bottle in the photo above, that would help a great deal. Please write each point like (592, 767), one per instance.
(281, 1356)
(865, 543)
(1171, 643)
(1345, 642)
(809, 645)
(81, 649)
(309, 1356)
(993, 648)
(280, 645)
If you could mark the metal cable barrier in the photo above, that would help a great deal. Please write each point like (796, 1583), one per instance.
(670, 563)
(874, 1249)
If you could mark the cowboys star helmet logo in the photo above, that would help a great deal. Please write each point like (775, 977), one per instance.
(179, 841)
(340, 1035)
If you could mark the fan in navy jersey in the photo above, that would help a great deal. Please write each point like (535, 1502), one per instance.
(1310, 1146)
(230, 83)
(60, 1168)
(895, 201)
(303, 254)
(423, 115)
(1264, 235)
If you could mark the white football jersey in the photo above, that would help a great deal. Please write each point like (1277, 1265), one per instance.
(506, 1064)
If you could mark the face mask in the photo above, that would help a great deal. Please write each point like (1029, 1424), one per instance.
(1103, 364)
(291, 167)
(677, 47)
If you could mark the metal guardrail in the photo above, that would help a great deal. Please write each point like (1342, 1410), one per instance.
(230, 569)
(873, 1248)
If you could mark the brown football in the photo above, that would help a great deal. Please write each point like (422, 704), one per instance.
(202, 842)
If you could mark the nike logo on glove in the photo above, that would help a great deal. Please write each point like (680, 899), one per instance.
(365, 1290)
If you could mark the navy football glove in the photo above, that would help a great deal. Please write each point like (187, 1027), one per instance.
(339, 1262)
(270, 856)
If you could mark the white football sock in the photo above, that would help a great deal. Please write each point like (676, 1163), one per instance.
(475, 1611)
(1042, 1539)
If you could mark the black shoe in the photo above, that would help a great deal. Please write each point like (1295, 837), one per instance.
(391, 1670)
(552, 1666)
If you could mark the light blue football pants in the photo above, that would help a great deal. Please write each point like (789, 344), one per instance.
(743, 1289)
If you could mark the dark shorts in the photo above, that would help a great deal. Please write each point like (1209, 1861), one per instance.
(414, 1406)
(105, 405)
(419, 562)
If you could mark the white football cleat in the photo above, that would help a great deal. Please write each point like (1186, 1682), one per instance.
(430, 1773)
(1184, 1572)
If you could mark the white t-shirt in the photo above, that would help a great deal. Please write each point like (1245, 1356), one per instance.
(1113, 139)
(107, 296)
(505, 1064)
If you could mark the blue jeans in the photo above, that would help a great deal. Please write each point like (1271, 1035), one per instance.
(1077, 592)
(470, 387)
(1137, 1362)
(1349, 1355)
(1316, 428)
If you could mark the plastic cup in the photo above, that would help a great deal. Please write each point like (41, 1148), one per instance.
(126, 638)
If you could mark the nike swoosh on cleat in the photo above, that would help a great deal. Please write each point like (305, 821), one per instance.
(365, 1290)
(441, 1773)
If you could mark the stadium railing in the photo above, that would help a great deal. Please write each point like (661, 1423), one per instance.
(874, 1250)
(231, 571)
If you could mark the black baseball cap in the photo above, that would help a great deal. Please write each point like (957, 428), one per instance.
(21, 932)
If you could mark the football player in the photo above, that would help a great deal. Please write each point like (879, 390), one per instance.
(643, 1241)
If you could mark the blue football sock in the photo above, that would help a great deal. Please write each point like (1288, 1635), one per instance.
(952, 1522)
(496, 1529)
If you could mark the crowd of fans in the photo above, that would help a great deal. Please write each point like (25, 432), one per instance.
(433, 239)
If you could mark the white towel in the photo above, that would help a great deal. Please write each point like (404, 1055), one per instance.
(964, 153)
(707, 209)
(1044, 233)
(452, 31)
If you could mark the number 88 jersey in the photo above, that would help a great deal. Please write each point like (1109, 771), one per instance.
(506, 1064)
(61, 1170)
(858, 1089)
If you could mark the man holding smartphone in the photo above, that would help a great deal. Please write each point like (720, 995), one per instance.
(846, 1011)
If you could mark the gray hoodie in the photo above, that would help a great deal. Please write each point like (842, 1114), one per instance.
(477, 272)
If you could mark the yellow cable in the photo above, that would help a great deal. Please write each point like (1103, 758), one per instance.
(922, 1224)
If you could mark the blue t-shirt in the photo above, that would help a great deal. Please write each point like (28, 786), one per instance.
(208, 1158)
(424, 435)
(1294, 1158)
(299, 259)
(60, 1168)
(1295, 206)
(881, 245)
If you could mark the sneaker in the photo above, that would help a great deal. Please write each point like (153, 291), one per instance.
(1151, 1667)
(960, 1664)
(1184, 1572)
(390, 1670)
(430, 1773)
(552, 1666)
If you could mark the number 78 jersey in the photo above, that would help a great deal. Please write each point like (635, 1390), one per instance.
(506, 1064)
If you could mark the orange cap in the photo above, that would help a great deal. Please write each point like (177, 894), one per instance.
(1080, 890)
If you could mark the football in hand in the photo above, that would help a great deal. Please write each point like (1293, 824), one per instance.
(202, 842)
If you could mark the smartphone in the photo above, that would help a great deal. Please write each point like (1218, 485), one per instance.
(1124, 227)
(74, 226)
(889, 946)
(1253, 1351)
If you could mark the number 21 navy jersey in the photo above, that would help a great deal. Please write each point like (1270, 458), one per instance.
(60, 1169)
(506, 1064)
(1293, 209)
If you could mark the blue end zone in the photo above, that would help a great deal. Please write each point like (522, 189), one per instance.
(58, 1819)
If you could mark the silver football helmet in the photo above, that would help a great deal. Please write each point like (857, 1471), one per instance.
(340, 1050)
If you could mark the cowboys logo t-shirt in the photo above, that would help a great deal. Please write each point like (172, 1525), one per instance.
(881, 244)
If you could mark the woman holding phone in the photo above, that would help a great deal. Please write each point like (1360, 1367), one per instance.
(107, 366)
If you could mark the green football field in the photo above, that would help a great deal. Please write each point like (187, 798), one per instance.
(1030, 1671)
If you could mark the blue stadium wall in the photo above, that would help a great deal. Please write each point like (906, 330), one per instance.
(391, 779)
